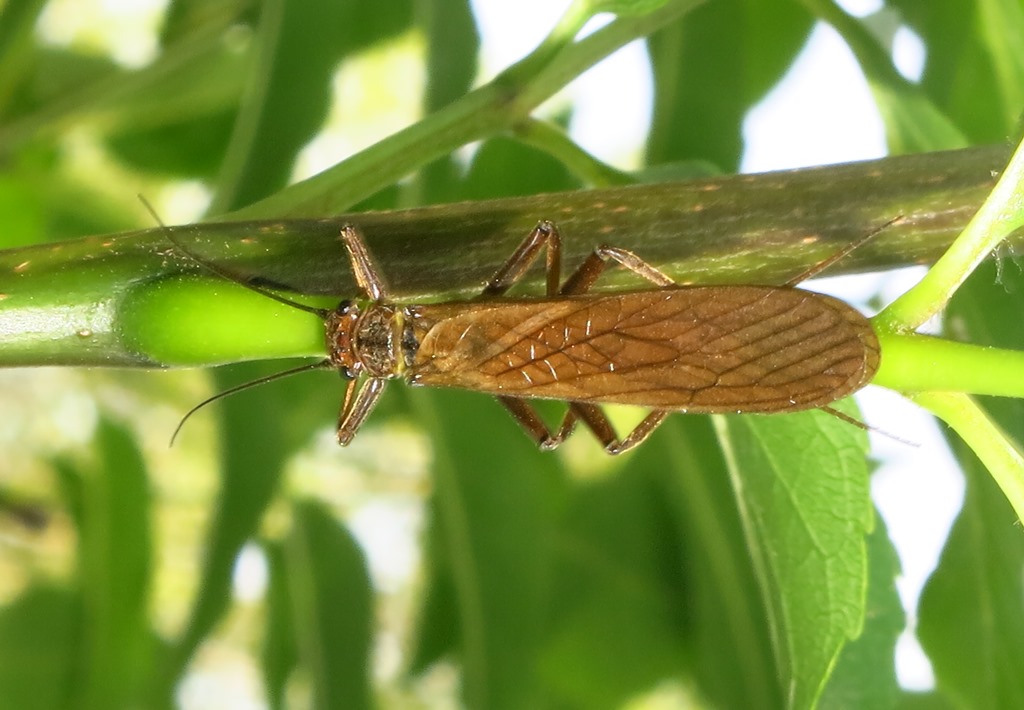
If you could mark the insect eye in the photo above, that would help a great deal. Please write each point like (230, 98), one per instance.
(344, 307)
(346, 373)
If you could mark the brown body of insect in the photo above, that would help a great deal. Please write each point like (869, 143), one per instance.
(698, 349)
(686, 349)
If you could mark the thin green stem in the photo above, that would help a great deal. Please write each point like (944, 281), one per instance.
(996, 450)
(553, 141)
(487, 111)
(921, 363)
(1000, 215)
(560, 36)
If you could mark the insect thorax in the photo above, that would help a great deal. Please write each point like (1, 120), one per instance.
(377, 334)
(361, 340)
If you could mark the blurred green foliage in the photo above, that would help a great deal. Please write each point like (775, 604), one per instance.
(734, 563)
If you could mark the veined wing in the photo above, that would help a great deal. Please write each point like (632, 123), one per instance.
(699, 349)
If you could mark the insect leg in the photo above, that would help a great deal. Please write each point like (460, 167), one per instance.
(524, 413)
(597, 421)
(355, 409)
(544, 234)
(368, 276)
(588, 272)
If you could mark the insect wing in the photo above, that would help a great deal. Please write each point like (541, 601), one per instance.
(698, 349)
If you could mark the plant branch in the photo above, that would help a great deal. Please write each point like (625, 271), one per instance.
(999, 216)
(121, 300)
(995, 449)
(487, 111)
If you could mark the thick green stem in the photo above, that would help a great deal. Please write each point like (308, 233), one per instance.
(75, 303)
(921, 363)
(227, 324)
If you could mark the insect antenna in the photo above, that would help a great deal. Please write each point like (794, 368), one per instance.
(321, 365)
(220, 271)
(843, 253)
(866, 427)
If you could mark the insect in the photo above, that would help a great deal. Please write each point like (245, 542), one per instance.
(697, 349)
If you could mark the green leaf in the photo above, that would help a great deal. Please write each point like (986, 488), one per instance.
(22, 211)
(280, 652)
(186, 18)
(452, 48)
(300, 45)
(114, 572)
(437, 627)
(710, 68)
(250, 476)
(39, 647)
(974, 71)
(196, 77)
(452, 44)
(186, 149)
(496, 508)
(865, 675)
(505, 168)
(617, 604)
(17, 51)
(332, 607)
(975, 600)
(54, 73)
(924, 701)
(727, 632)
(913, 123)
(802, 483)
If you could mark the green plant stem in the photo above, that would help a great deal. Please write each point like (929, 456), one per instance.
(73, 303)
(487, 111)
(995, 449)
(553, 141)
(922, 363)
(999, 216)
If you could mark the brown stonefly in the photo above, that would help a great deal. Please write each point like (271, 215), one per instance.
(672, 348)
